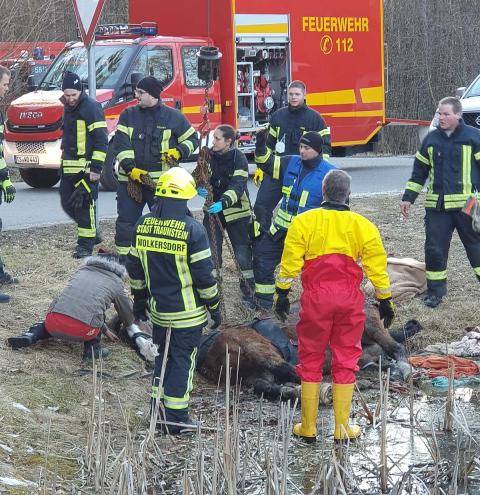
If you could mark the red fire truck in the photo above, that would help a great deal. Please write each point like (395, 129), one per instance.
(336, 48)
(28, 61)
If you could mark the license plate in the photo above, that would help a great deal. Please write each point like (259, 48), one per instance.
(29, 159)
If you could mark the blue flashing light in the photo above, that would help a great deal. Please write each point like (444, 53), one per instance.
(109, 31)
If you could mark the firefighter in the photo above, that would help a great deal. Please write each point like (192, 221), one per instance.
(84, 147)
(301, 180)
(7, 191)
(170, 268)
(229, 175)
(78, 312)
(449, 157)
(325, 245)
(147, 134)
(286, 127)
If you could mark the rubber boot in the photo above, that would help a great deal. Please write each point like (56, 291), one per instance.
(4, 298)
(342, 403)
(35, 333)
(310, 395)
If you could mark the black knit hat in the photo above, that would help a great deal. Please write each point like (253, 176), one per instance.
(71, 81)
(314, 140)
(151, 85)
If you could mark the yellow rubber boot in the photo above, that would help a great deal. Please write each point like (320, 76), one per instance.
(310, 395)
(342, 402)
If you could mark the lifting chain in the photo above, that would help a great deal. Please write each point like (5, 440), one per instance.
(135, 189)
(204, 127)
(167, 161)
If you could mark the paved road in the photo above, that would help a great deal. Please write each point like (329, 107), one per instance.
(36, 207)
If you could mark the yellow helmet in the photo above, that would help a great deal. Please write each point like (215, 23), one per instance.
(176, 183)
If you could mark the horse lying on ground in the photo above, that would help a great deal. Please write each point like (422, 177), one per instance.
(263, 355)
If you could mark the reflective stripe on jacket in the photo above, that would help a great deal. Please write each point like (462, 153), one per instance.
(84, 140)
(333, 230)
(229, 176)
(452, 166)
(144, 134)
(171, 259)
(288, 125)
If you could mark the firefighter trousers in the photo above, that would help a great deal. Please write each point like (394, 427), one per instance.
(85, 217)
(129, 211)
(239, 235)
(268, 197)
(335, 319)
(267, 253)
(179, 368)
(439, 227)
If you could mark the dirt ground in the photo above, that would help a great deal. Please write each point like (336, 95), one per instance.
(46, 391)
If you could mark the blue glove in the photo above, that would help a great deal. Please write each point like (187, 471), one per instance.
(215, 208)
(201, 191)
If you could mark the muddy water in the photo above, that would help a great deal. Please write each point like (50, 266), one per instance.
(408, 449)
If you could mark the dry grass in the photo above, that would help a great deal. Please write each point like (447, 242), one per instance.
(49, 380)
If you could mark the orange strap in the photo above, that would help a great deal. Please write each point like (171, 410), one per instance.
(439, 365)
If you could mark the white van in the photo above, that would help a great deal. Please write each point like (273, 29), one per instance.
(470, 97)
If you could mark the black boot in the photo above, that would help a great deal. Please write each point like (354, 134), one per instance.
(4, 298)
(432, 300)
(93, 349)
(186, 425)
(98, 238)
(247, 287)
(6, 278)
(35, 333)
(82, 252)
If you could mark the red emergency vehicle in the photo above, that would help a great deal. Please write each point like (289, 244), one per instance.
(336, 48)
(28, 61)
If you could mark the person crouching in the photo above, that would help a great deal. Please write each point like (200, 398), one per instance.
(78, 312)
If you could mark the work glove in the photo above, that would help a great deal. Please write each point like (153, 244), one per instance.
(386, 309)
(136, 174)
(258, 177)
(202, 191)
(215, 314)
(82, 195)
(175, 154)
(261, 139)
(215, 208)
(8, 190)
(281, 304)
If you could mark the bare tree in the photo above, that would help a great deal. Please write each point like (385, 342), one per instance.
(432, 49)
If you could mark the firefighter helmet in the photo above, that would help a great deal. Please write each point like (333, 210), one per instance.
(176, 183)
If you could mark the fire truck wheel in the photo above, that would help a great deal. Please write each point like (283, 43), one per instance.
(40, 177)
(108, 179)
